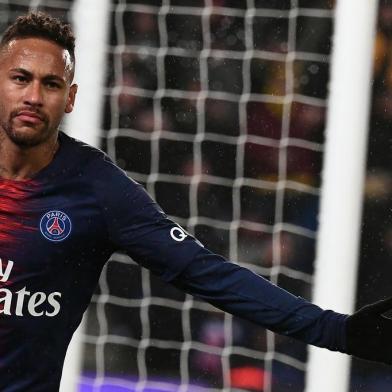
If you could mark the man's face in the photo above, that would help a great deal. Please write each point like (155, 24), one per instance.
(35, 90)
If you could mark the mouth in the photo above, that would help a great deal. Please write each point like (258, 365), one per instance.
(29, 116)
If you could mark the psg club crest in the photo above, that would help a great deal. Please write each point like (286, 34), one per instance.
(55, 226)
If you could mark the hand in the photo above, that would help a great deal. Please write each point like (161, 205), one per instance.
(369, 332)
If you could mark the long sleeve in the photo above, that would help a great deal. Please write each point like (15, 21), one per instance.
(243, 293)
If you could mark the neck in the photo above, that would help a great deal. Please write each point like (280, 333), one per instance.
(21, 163)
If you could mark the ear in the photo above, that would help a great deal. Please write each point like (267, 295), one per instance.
(71, 98)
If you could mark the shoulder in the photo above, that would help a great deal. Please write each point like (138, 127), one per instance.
(95, 169)
(76, 152)
(88, 161)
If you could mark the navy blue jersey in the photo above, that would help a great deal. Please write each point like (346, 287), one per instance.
(59, 228)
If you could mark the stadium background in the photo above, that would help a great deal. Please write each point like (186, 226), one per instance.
(220, 113)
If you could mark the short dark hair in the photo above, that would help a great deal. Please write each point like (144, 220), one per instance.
(41, 25)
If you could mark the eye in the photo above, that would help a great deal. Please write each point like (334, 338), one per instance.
(52, 85)
(19, 78)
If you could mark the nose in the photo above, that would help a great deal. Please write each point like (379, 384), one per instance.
(33, 94)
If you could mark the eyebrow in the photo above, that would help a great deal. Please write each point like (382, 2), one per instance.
(46, 77)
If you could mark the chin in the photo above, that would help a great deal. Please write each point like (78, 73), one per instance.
(28, 137)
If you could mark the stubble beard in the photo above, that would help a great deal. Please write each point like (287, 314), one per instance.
(26, 139)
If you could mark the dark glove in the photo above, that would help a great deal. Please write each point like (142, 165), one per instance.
(369, 332)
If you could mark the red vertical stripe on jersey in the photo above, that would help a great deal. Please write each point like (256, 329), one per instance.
(14, 203)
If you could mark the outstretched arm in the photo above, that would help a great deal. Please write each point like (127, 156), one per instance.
(366, 334)
(241, 292)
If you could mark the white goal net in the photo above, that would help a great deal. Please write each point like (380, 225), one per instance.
(218, 108)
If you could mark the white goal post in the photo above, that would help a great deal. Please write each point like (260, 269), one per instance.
(90, 23)
(343, 175)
